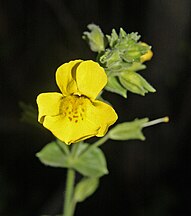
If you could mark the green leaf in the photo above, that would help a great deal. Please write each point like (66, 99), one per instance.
(91, 162)
(113, 85)
(128, 130)
(135, 83)
(85, 159)
(63, 146)
(78, 149)
(85, 188)
(54, 155)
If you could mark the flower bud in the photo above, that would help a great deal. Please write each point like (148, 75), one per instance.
(135, 83)
(147, 56)
(95, 38)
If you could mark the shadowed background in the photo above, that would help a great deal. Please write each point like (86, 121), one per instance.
(146, 178)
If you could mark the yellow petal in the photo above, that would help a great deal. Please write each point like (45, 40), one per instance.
(65, 77)
(69, 131)
(80, 119)
(103, 115)
(48, 104)
(90, 78)
(148, 55)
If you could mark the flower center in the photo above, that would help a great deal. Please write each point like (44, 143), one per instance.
(73, 107)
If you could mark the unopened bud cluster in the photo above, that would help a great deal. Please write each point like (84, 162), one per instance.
(123, 56)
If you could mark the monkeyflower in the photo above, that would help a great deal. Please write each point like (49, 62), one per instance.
(74, 114)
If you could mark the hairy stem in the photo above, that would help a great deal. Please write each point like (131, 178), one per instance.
(68, 206)
(101, 141)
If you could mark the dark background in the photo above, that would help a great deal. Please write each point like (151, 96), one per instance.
(148, 178)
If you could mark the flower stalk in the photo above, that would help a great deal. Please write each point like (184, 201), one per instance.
(101, 141)
(68, 199)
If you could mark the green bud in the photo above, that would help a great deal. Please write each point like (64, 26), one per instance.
(95, 38)
(113, 38)
(113, 85)
(136, 66)
(124, 55)
(111, 59)
(127, 41)
(123, 51)
(135, 83)
(134, 36)
(131, 56)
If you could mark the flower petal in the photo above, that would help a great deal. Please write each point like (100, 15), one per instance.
(80, 119)
(147, 56)
(90, 78)
(70, 131)
(65, 77)
(103, 115)
(48, 104)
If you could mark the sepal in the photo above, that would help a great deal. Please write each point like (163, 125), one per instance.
(128, 130)
(95, 38)
(113, 85)
(135, 83)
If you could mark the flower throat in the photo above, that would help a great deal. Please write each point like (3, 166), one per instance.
(73, 107)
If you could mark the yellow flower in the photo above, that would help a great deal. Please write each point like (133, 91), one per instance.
(75, 114)
(148, 55)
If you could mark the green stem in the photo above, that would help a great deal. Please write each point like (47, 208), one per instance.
(101, 141)
(68, 206)
(73, 207)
